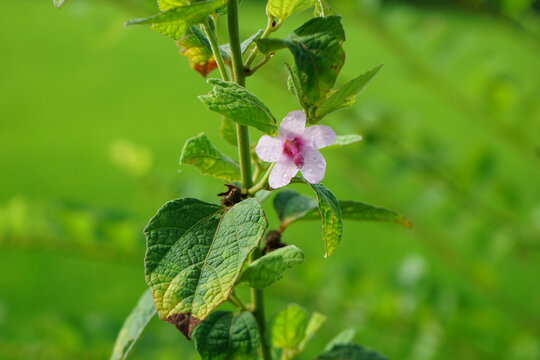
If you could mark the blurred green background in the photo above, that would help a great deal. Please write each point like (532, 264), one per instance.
(94, 116)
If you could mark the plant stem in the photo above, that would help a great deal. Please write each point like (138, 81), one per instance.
(215, 50)
(257, 296)
(242, 134)
(263, 183)
(237, 301)
(270, 27)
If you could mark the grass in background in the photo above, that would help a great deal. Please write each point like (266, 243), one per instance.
(94, 117)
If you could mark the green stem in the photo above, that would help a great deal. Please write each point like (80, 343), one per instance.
(257, 296)
(263, 183)
(215, 50)
(237, 301)
(242, 133)
(270, 28)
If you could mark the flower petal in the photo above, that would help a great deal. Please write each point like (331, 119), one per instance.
(314, 165)
(292, 125)
(281, 174)
(319, 136)
(269, 149)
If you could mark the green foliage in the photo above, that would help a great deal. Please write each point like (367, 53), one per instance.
(345, 96)
(195, 252)
(194, 47)
(200, 152)
(350, 352)
(225, 335)
(134, 326)
(227, 130)
(344, 337)
(343, 140)
(332, 224)
(291, 205)
(270, 268)
(59, 3)
(176, 17)
(282, 9)
(319, 57)
(239, 105)
(289, 327)
(315, 322)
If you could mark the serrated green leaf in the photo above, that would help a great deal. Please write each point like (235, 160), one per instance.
(314, 324)
(330, 212)
(177, 16)
(350, 352)
(227, 131)
(195, 252)
(225, 335)
(289, 327)
(282, 9)
(355, 210)
(239, 105)
(318, 53)
(200, 57)
(270, 268)
(134, 326)
(339, 99)
(291, 205)
(344, 337)
(200, 152)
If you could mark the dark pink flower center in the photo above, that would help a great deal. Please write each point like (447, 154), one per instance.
(293, 150)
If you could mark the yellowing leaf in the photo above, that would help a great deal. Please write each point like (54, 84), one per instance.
(200, 57)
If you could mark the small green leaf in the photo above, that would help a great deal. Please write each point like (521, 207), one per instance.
(319, 56)
(270, 268)
(344, 337)
(173, 21)
(227, 131)
(332, 224)
(294, 86)
(282, 9)
(244, 46)
(239, 105)
(225, 335)
(350, 352)
(200, 152)
(323, 9)
(134, 326)
(59, 3)
(195, 252)
(199, 56)
(355, 210)
(337, 100)
(289, 327)
(342, 140)
(291, 206)
(314, 324)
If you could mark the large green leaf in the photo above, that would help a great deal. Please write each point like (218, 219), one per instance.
(270, 268)
(289, 327)
(330, 212)
(239, 105)
(226, 336)
(319, 56)
(200, 152)
(350, 352)
(173, 21)
(282, 9)
(341, 98)
(134, 326)
(195, 252)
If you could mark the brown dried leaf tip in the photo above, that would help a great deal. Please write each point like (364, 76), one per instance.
(184, 323)
(232, 196)
(272, 242)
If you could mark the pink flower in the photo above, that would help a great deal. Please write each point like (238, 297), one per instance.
(295, 148)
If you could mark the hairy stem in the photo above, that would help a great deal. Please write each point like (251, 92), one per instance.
(242, 133)
(215, 50)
